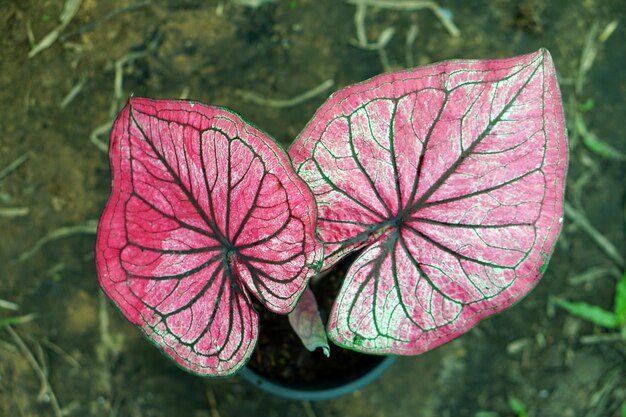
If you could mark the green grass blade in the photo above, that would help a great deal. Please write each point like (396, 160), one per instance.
(595, 145)
(594, 314)
(620, 300)
(17, 319)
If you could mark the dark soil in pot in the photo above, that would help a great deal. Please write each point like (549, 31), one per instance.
(280, 356)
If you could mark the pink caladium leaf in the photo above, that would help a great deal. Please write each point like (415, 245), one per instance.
(204, 210)
(450, 179)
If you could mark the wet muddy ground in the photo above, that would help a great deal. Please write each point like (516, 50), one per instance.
(64, 349)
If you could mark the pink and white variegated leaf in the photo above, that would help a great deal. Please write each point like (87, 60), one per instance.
(450, 179)
(204, 210)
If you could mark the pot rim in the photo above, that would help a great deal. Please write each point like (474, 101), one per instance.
(315, 394)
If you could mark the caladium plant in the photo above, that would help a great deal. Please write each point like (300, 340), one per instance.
(205, 211)
(449, 179)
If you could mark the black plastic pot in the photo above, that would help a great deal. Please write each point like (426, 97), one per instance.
(325, 390)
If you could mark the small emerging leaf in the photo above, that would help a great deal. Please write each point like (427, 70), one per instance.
(592, 313)
(306, 322)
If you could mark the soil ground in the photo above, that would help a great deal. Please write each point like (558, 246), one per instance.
(86, 360)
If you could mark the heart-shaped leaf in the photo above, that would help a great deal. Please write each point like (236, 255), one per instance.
(204, 210)
(450, 178)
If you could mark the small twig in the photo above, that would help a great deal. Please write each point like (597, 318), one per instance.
(519, 345)
(59, 351)
(43, 363)
(27, 100)
(219, 9)
(383, 39)
(281, 104)
(409, 5)
(8, 321)
(118, 81)
(587, 57)
(101, 19)
(8, 305)
(359, 22)
(591, 170)
(252, 3)
(74, 91)
(210, 397)
(69, 409)
(602, 242)
(69, 11)
(593, 274)
(446, 21)
(29, 33)
(103, 352)
(120, 63)
(38, 370)
(411, 36)
(384, 60)
(14, 165)
(55, 269)
(308, 409)
(9, 347)
(599, 401)
(12, 212)
(379, 46)
(594, 144)
(119, 68)
(94, 136)
(184, 94)
(608, 30)
(590, 51)
(109, 346)
(594, 339)
(115, 408)
(89, 227)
